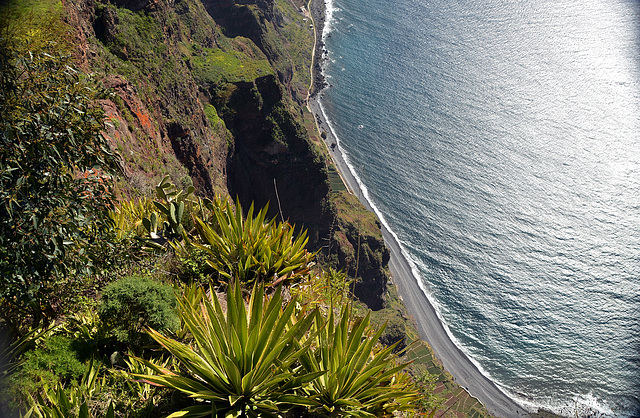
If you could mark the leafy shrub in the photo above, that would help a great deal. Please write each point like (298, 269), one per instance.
(325, 288)
(191, 267)
(55, 187)
(129, 305)
(55, 361)
(58, 355)
(77, 400)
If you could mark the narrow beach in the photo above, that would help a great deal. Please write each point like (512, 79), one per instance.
(429, 325)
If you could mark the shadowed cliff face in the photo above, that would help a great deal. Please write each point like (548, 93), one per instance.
(258, 20)
(271, 152)
(134, 5)
(360, 248)
(240, 18)
(174, 112)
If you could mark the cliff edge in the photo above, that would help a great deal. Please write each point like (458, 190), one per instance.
(211, 93)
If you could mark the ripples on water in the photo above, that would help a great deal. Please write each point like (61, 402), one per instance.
(502, 144)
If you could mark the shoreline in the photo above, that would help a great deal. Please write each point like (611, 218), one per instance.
(430, 327)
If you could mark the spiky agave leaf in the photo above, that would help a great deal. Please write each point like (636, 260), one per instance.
(253, 249)
(360, 380)
(73, 401)
(239, 362)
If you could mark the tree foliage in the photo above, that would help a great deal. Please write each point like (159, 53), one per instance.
(55, 188)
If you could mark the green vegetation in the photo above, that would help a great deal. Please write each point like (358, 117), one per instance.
(215, 66)
(297, 38)
(111, 271)
(261, 360)
(55, 183)
(56, 360)
(212, 115)
(356, 379)
(242, 362)
(30, 10)
(130, 305)
(72, 402)
(252, 249)
(266, 359)
(139, 44)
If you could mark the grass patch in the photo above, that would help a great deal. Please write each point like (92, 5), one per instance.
(352, 212)
(212, 115)
(20, 9)
(37, 24)
(335, 181)
(215, 66)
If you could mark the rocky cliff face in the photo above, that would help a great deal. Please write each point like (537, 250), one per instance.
(272, 161)
(154, 116)
(209, 92)
(260, 21)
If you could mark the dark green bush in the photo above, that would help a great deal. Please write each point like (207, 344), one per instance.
(129, 305)
(60, 355)
(55, 360)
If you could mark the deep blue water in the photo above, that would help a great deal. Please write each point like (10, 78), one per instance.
(500, 141)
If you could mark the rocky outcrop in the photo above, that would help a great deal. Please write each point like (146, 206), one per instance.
(260, 21)
(155, 118)
(272, 161)
(360, 248)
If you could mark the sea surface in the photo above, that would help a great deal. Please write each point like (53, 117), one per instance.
(500, 141)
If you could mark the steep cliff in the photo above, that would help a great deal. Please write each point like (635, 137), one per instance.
(211, 92)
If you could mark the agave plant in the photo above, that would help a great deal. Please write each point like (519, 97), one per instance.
(360, 380)
(239, 363)
(325, 288)
(72, 402)
(127, 217)
(253, 249)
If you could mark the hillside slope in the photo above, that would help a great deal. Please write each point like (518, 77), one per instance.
(211, 93)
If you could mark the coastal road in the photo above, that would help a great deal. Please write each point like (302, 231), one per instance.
(431, 329)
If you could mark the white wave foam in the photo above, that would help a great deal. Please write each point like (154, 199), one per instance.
(580, 406)
(330, 10)
(417, 275)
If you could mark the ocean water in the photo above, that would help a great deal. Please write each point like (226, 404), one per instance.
(500, 141)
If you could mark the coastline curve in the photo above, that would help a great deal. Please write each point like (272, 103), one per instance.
(430, 326)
